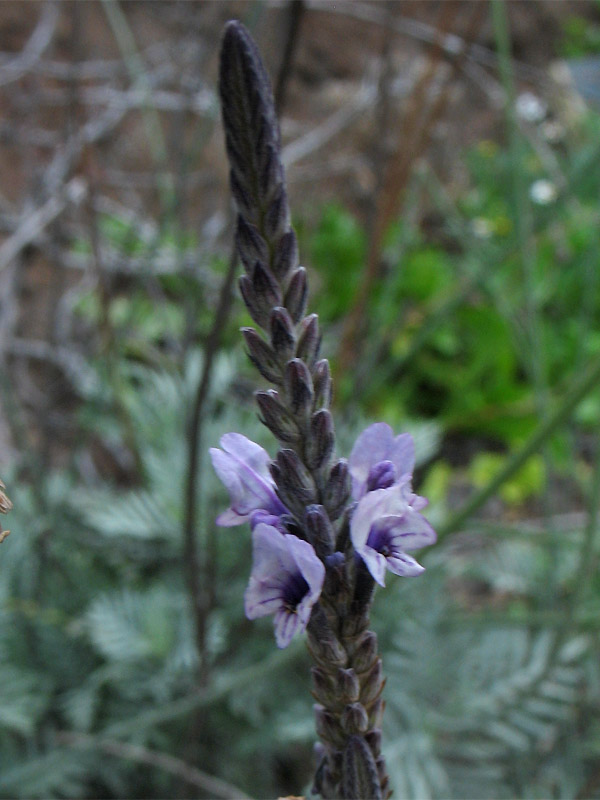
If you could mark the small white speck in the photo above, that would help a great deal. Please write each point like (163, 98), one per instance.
(553, 131)
(530, 107)
(543, 192)
(481, 228)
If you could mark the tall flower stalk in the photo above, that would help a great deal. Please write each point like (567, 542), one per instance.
(324, 529)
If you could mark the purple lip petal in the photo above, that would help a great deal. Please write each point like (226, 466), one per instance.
(376, 564)
(286, 581)
(383, 527)
(404, 565)
(373, 506)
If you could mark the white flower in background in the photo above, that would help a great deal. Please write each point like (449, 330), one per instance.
(543, 192)
(530, 107)
(553, 131)
(482, 228)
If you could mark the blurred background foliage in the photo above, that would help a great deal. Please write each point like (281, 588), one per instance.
(456, 279)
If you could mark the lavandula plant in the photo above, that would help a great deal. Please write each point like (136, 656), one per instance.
(324, 529)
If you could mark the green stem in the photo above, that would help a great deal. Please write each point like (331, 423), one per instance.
(138, 73)
(578, 391)
(587, 559)
(218, 690)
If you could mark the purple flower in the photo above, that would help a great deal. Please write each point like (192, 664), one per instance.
(243, 466)
(380, 460)
(286, 581)
(384, 526)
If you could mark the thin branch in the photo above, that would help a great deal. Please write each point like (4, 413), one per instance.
(192, 566)
(318, 137)
(296, 12)
(209, 695)
(32, 223)
(579, 390)
(452, 44)
(214, 787)
(35, 46)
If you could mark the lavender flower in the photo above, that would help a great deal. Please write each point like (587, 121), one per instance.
(385, 525)
(243, 466)
(286, 581)
(312, 514)
(380, 459)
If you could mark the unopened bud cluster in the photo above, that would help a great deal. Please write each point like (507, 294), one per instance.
(274, 285)
(325, 530)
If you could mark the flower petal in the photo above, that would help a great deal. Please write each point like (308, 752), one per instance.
(286, 627)
(229, 518)
(247, 451)
(309, 564)
(376, 563)
(378, 443)
(242, 466)
(373, 506)
(410, 531)
(283, 568)
(404, 565)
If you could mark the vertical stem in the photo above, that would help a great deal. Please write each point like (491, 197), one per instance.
(296, 12)
(580, 389)
(193, 566)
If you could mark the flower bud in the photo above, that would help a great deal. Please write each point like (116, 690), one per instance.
(372, 684)
(250, 245)
(365, 653)
(373, 739)
(296, 295)
(383, 776)
(271, 171)
(298, 385)
(381, 476)
(322, 688)
(276, 417)
(294, 482)
(265, 286)
(262, 356)
(322, 384)
(376, 713)
(322, 439)
(260, 293)
(258, 310)
(243, 199)
(283, 339)
(347, 686)
(285, 259)
(328, 728)
(319, 530)
(323, 643)
(309, 340)
(354, 718)
(353, 625)
(337, 489)
(277, 217)
(360, 777)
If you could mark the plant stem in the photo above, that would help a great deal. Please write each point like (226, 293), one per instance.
(579, 390)
(192, 562)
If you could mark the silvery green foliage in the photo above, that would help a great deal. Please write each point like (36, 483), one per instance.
(501, 708)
